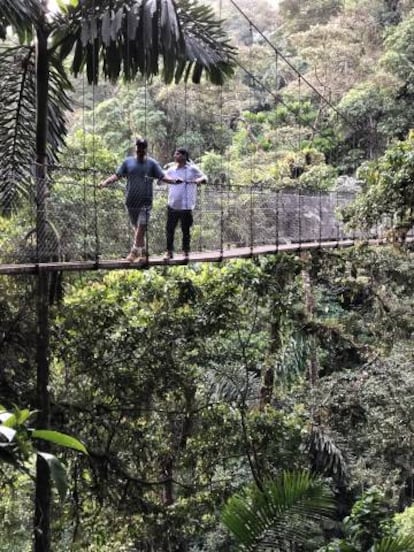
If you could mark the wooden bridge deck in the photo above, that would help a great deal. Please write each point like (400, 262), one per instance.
(195, 257)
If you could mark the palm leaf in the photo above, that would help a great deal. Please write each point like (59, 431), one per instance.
(207, 47)
(394, 544)
(131, 37)
(327, 457)
(17, 139)
(292, 358)
(18, 14)
(16, 120)
(259, 518)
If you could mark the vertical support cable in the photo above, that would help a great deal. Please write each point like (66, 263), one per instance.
(320, 217)
(222, 191)
(221, 183)
(251, 160)
(84, 179)
(300, 217)
(146, 235)
(299, 150)
(95, 199)
(201, 203)
(185, 114)
(145, 100)
(336, 218)
(276, 88)
(94, 187)
(354, 234)
(277, 219)
(251, 218)
(299, 113)
(277, 128)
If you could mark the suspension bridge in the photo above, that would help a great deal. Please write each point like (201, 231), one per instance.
(87, 228)
(68, 224)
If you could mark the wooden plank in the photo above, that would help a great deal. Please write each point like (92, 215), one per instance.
(203, 256)
(197, 257)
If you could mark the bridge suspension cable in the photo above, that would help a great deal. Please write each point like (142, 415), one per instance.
(290, 65)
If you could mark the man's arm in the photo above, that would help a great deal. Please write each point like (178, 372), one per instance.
(108, 181)
(171, 179)
(200, 177)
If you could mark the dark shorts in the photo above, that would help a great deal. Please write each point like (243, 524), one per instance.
(139, 216)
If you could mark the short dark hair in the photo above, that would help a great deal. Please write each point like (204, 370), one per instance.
(141, 142)
(185, 152)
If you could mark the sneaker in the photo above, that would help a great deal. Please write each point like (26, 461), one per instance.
(168, 255)
(135, 255)
(186, 255)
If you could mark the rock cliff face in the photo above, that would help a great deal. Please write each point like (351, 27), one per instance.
(264, 216)
(348, 184)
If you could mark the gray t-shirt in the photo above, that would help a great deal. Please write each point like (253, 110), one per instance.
(139, 184)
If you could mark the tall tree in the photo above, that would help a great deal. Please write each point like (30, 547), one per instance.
(115, 38)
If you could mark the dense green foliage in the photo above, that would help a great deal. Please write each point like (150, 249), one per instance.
(235, 388)
(388, 194)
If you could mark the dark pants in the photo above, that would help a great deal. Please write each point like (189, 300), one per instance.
(186, 218)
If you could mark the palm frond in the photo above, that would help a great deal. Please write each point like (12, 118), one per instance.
(327, 457)
(207, 47)
(131, 37)
(17, 120)
(259, 517)
(18, 14)
(394, 544)
(292, 359)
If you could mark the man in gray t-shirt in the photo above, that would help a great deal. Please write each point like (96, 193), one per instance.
(140, 172)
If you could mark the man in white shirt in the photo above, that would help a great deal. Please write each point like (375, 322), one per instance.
(182, 199)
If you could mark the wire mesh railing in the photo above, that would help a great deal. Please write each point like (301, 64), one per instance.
(81, 222)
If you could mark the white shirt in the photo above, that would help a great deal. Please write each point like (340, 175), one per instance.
(183, 196)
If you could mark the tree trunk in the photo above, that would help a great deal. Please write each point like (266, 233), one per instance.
(313, 364)
(43, 487)
(268, 371)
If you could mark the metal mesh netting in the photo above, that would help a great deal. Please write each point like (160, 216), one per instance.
(83, 222)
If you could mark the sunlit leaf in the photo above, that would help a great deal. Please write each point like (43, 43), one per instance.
(59, 439)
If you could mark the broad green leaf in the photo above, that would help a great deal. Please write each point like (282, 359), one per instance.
(59, 439)
(57, 472)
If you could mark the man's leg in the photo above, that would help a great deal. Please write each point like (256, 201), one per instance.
(172, 220)
(139, 238)
(186, 224)
(139, 219)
